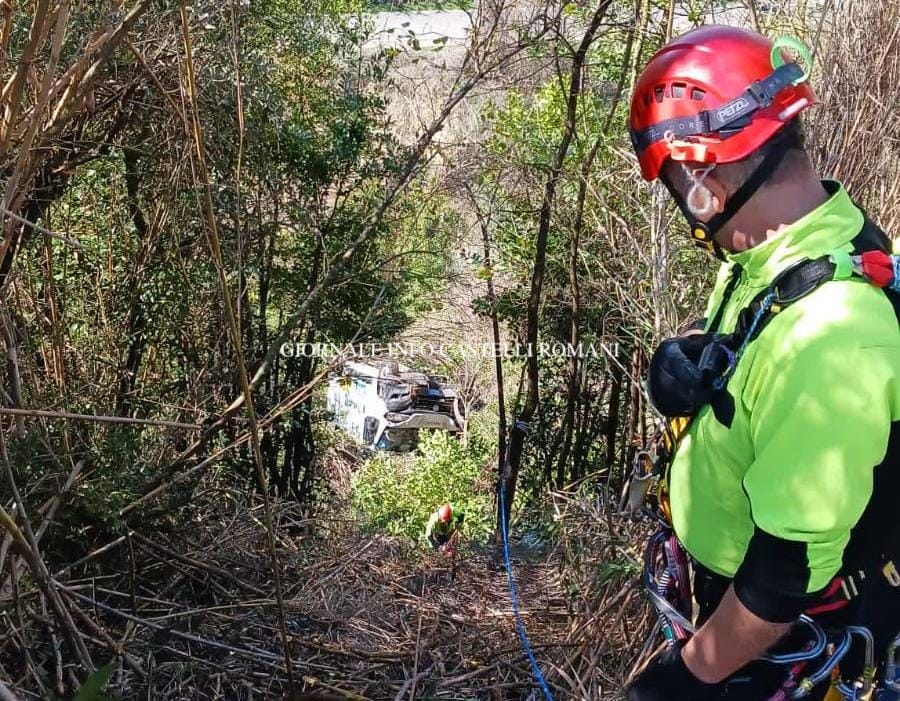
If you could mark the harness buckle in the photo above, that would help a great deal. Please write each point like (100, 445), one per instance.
(759, 93)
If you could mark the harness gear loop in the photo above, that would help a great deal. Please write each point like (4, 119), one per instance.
(650, 465)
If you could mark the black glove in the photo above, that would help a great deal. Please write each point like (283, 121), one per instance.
(667, 678)
(683, 370)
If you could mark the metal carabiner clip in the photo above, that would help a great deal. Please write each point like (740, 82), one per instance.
(638, 485)
(891, 664)
(859, 689)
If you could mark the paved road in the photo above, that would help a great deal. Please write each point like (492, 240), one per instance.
(392, 28)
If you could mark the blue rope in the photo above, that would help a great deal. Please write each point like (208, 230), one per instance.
(764, 308)
(514, 598)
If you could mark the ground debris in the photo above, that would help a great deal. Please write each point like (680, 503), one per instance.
(191, 613)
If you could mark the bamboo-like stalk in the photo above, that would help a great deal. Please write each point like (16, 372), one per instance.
(11, 96)
(59, 33)
(28, 547)
(47, 414)
(157, 82)
(77, 90)
(212, 233)
(6, 29)
(68, 240)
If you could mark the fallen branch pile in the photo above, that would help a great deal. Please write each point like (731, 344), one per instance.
(192, 614)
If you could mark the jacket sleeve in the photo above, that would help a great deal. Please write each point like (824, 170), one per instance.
(820, 417)
(429, 528)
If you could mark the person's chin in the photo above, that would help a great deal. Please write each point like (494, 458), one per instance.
(734, 243)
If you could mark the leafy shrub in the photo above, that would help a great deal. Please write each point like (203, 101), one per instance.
(397, 493)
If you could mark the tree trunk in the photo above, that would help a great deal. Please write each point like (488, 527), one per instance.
(575, 314)
(137, 321)
(519, 429)
(612, 427)
(498, 361)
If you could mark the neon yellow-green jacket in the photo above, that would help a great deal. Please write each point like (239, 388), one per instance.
(771, 500)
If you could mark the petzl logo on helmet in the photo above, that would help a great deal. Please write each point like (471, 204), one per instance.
(732, 109)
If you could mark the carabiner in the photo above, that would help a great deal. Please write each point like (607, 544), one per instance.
(891, 663)
(891, 574)
(809, 682)
(638, 486)
(859, 688)
(816, 648)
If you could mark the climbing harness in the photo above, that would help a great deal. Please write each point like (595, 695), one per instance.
(666, 564)
(703, 382)
(514, 599)
(667, 581)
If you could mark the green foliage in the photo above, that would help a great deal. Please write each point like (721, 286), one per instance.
(397, 494)
(92, 688)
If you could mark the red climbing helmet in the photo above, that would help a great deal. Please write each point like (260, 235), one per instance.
(715, 95)
(445, 513)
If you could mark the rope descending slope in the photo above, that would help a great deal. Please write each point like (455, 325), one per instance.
(514, 598)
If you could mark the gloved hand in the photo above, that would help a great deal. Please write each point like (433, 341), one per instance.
(683, 370)
(667, 678)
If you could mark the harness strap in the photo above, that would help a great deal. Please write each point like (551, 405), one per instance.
(806, 276)
(703, 232)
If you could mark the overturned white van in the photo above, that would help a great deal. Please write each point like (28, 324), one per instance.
(384, 405)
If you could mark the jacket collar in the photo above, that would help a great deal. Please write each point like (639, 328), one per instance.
(830, 226)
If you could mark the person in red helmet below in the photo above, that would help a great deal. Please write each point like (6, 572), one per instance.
(443, 525)
(782, 487)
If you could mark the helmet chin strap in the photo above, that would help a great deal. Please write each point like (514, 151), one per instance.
(704, 233)
(699, 231)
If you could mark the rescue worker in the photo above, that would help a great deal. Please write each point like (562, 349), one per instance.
(782, 489)
(443, 525)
